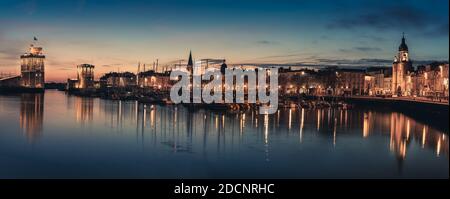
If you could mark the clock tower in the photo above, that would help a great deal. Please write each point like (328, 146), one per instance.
(400, 69)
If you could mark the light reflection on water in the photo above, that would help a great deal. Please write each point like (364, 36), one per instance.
(87, 137)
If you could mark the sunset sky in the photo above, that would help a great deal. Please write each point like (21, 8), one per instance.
(115, 35)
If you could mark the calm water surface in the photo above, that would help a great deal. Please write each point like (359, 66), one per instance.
(59, 136)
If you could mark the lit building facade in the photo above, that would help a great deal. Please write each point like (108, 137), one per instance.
(377, 81)
(154, 80)
(85, 76)
(303, 81)
(32, 68)
(431, 80)
(401, 68)
(349, 82)
(118, 80)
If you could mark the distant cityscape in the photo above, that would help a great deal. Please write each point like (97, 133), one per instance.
(401, 80)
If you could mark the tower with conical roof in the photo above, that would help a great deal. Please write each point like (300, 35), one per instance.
(400, 69)
(403, 46)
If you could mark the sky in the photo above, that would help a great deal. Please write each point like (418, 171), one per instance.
(115, 35)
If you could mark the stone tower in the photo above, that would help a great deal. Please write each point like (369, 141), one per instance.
(400, 69)
(32, 68)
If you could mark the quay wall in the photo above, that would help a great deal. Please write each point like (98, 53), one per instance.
(435, 113)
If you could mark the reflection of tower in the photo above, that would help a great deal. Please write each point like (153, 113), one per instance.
(400, 68)
(366, 124)
(266, 137)
(399, 137)
(32, 68)
(31, 115)
(84, 107)
(85, 76)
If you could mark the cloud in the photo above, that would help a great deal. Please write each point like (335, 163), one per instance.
(111, 65)
(290, 55)
(344, 50)
(65, 69)
(360, 49)
(343, 63)
(374, 38)
(367, 49)
(213, 61)
(401, 17)
(280, 56)
(386, 18)
(327, 62)
(267, 42)
(437, 31)
(176, 61)
(10, 53)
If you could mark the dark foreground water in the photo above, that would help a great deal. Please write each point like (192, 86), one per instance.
(60, 136)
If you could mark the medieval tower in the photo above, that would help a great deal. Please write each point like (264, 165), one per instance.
(400, 69)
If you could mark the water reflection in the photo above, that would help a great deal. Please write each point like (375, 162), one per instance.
(290, 135)
(31, 115)
(302, 122)
(177, 126)
(84, 108)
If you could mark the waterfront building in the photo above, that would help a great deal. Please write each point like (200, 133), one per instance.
(84, 80)
(31, 76)
(431, 80)
(328, 81)
(85, 76)
(370, 84)
(443, 81)
(374, 81)
(387, 85)
(32, 68)
(401, 69)
(349, 82)
(301, 81)
(154, 80)
(118, 80)
(71, 84)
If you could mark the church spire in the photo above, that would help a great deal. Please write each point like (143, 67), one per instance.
(403, 46)
(403, 38)
(190, 62)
